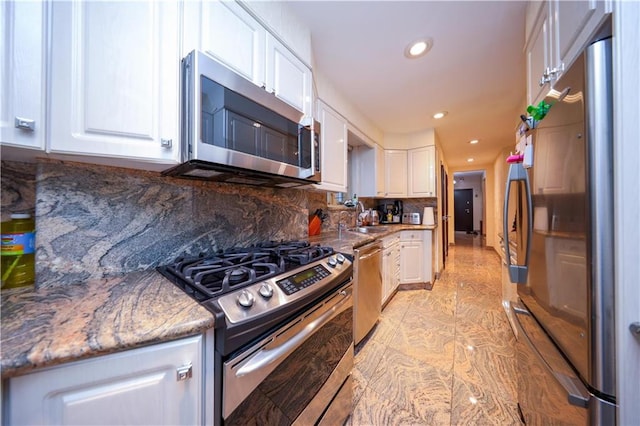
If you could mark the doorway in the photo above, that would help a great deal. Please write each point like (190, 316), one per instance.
(444, 182)
(463, 210)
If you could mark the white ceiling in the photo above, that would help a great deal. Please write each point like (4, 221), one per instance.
(475, 69)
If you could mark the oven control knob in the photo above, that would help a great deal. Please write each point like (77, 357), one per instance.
(245, 299)
(266, 290)
(332, 262)
(340, 258)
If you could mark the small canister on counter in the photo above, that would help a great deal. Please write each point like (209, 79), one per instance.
(18, 251)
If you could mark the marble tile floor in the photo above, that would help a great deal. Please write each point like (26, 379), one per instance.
(441, 357)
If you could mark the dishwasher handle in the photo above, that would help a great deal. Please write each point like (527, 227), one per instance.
(368, 255)
(363, 252)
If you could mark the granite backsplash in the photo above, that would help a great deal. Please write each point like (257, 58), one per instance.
(97, 221)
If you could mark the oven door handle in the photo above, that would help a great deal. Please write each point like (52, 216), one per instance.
(309, 325)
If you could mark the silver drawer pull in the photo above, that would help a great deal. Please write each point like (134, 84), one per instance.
(184, 373)
(25, 124)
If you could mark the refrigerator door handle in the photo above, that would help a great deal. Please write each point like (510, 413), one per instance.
(577, 393)
(517, 173)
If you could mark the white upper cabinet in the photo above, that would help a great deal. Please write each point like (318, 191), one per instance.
(226, 31)
(368, 162)
(395, 181)
(576, 25)
(333, 149)
(422, 174)
(22, 73)
(557, 31)
(288, 77)
(541, 51)
(115, 80)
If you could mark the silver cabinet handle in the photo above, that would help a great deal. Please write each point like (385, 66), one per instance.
(184, 372)
(25, 124)
(634, 328)
(517, 173)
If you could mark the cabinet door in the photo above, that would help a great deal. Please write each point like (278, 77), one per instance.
(387, 273)
(288, 77)
(422, 174)
(22, 73)
(427, 256)
(395, 181)
(333, 149)
(369, 164)
(114, 80)
(411, 262)
(576, 23)
(139, 386)
(226, 31)
(380, 168)
(540, 51)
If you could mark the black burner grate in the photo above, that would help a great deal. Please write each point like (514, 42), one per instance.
(209, 276)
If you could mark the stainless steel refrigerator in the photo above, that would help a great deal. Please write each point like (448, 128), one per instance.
(564, 234)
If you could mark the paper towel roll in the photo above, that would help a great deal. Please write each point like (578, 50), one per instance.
(427, 216)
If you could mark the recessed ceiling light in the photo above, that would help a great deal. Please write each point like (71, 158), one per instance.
(469, 160)
(418, 48)
(474, 141)
(439, 115)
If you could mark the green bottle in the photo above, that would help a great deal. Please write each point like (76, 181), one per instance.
(18, 251)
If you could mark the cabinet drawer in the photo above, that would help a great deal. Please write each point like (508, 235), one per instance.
(411, 236)
(390, 240)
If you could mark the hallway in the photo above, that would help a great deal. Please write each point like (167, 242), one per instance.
(441, 357)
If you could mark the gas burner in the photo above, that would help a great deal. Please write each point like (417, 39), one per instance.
(208, 276)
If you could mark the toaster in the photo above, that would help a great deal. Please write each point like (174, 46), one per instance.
(411, 218)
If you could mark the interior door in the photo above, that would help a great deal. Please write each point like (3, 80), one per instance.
(444, 182)
(463, 209)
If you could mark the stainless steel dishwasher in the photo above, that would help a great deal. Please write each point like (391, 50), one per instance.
(367, 288)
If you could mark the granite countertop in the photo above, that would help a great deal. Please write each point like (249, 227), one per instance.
(346, 241)
(54, 325)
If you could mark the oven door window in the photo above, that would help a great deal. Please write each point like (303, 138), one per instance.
(274, 381)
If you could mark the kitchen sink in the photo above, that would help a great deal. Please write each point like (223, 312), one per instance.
(368, 229)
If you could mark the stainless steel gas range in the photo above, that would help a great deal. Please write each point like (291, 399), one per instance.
(283, 333)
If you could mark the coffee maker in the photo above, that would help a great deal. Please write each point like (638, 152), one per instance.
(397, 213)
(390, 212)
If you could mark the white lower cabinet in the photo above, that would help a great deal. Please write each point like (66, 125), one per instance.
(416, 257)
(390, 266)
(161, 385)
(411, 262)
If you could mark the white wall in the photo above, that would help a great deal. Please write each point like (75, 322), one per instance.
(409, 140)
(334, 98)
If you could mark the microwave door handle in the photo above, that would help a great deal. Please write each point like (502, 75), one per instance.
(517, 173)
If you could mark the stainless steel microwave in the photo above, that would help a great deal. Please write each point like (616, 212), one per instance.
(237, 132)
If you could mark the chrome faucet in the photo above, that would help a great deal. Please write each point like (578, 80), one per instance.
(358, 207)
